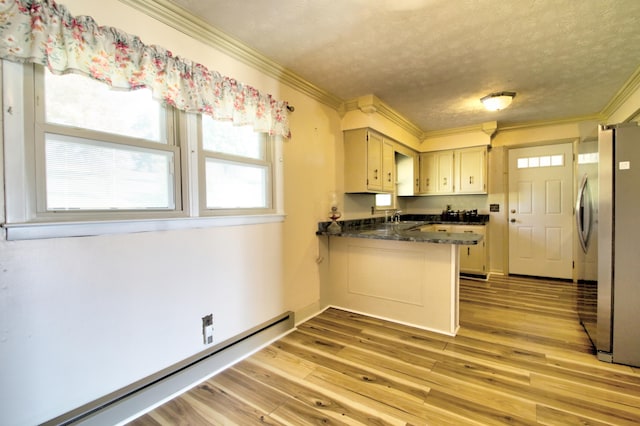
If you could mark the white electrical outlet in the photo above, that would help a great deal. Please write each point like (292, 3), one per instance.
(207, 329)
(208, 334)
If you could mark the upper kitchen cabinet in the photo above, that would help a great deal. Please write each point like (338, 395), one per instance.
(369, 162)
(460, 171)
(436, 172)
(471, 170)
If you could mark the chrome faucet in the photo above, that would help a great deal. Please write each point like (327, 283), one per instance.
(396, 216)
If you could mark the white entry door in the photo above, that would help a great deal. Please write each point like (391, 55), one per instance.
(541, 211)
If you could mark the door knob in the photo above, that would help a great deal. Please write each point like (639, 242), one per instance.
(513, 221)
(513, 210)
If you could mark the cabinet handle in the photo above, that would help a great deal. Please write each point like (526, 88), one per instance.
(375, 174)
(445, 181)
(470, 180)
(417, 182)
(468, 251)
(389, 177)
(428, 182)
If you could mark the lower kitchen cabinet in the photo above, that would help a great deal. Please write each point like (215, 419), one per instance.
(473, 259)
(409, 282)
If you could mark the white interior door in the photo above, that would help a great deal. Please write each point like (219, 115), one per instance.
(540, 211)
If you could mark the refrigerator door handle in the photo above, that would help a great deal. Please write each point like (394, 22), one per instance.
(583, 213)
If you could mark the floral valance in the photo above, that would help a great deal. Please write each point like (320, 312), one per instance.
(43, 32)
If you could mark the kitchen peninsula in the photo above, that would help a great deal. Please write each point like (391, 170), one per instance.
(400, 271)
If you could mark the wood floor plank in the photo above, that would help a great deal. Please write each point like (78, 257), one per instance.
(333, 405)
(472, 410)
(614, 401)
(392, 404)
(368, 377)
(552, 416)
(250, 390)
(296, 413)
(520, 357)
(570, 402)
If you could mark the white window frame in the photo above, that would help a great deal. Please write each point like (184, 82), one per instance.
(170, 145)
(23, 220)
(266, 162)
(381, 207)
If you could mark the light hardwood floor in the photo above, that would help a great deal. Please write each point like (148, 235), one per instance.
(520, 357)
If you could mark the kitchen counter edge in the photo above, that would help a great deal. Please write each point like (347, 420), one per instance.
(370, 228)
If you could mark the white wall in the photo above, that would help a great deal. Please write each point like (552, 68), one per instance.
(85, 316)
(81, 317)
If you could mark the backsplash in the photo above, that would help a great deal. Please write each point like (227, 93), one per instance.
(354, 206)
(439, 203)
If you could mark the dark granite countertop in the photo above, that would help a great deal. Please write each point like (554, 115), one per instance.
(408, 229)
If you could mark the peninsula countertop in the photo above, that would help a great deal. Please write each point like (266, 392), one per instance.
(406, 230)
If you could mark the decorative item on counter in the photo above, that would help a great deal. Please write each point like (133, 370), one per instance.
(334, 227)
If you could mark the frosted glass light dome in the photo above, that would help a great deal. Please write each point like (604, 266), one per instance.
(497, 101)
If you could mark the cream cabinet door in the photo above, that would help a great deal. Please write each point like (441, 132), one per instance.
(436, 172)
(444, 166)
(374, 161)
(428, 173)
(388, 172)
(416, 177)
(473, 258)
(471, 170)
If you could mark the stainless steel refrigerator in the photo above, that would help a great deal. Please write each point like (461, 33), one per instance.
(608, 227)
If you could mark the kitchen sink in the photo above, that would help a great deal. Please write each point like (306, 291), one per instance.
(392, 228)
(403, 224)
(383, 231)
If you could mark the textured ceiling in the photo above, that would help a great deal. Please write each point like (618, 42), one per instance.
(432, 60)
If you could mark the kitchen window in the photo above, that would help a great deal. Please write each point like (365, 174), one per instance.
(385, 201)
(84, 159)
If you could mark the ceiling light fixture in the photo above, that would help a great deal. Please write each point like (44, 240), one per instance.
(498, 100)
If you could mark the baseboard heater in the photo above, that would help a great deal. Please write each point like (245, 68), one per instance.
(126, 403)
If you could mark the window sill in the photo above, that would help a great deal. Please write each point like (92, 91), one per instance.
(33, 231)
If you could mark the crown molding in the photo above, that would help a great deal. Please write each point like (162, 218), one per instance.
(189, 24)
(453, 131)
(631, 86)
(488, 128)
(568, 120)
(371, 104)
